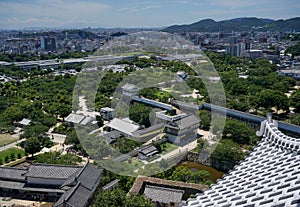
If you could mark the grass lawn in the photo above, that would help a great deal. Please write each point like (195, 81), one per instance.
(10, 151)
(168, 147)
(7, 139)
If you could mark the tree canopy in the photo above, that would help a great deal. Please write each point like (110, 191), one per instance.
(32, 145)
(117, 198)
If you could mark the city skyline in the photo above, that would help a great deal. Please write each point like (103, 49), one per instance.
(18, 14)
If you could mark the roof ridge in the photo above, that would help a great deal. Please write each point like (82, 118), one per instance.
(56, 165)
(13, 168)
(72, 191)
(81, 170)
(159, 187)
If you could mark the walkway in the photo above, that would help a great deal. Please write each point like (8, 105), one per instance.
(14, 144)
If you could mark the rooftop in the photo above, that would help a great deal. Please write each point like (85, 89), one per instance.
(163, 195)
(148, 150)
(74, 118)
(185, 122)
(25, 122)
(10, 173)
(48, 171)
(123, 126)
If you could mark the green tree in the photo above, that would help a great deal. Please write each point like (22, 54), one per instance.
(272, 98)
(118, 198)
(12, 156)
(32, 146)
(295, 100)
(140, 114)
(34, 130)
(226, 155)
(204, 119)
(6, 159)
(126, 145)
(238, 132)
(184, 174)
(295, 119)
(57, 158)
(294, 50)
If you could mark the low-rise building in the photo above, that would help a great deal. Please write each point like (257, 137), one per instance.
(107, 113)
(147, 152)
(165, 193)
(182, 131)
(290, 73)
(73, 118)
(24, 122)
(125, 126)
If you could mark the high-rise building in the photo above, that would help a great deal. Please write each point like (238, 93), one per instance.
(48, 43)
(234, 50)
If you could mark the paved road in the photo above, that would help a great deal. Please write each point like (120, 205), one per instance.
(11, 145)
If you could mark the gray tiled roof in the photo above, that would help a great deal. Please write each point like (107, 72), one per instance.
(111, 185)
(112, 135)
(86, 120)
(89, 176)
(163, 195)
(9, 173)
(149, 129)
(185, 122)
(75, 197)
(79, 186)
(25, 122)
(148, 149)
(84, 183)
(22, 186)
(74, 118)
(123, 126)
(51, 171)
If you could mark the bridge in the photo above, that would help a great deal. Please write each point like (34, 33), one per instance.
(269, 176)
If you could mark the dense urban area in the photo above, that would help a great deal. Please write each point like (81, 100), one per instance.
(44, 162)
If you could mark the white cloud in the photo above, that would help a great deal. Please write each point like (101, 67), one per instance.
(41, 12)
(138, 8)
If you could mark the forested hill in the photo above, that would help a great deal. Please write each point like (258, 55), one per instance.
(238, 24)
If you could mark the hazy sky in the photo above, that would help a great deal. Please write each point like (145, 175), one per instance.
(136, 13)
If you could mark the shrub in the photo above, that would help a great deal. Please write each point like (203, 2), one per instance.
(6, 159)
(12, 156)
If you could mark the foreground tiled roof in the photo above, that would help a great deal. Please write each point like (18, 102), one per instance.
(47, 171)
(15, 185)
(10, 173)
(269, 176)
(80, 182)
(81, 187)
(163, 195)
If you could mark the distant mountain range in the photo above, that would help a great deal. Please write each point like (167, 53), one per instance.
(238, 25)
